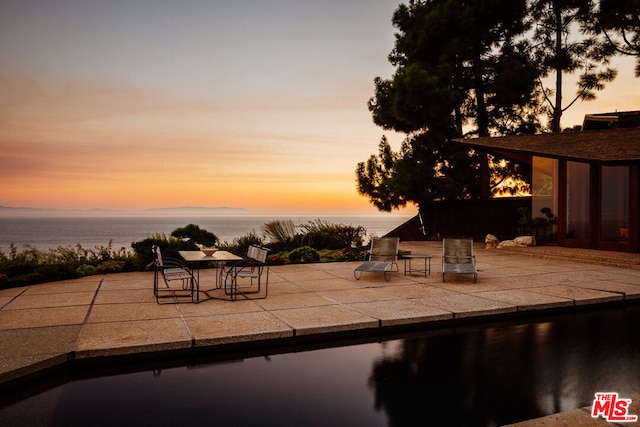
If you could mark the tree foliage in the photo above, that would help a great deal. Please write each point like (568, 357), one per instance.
(195, 234)
(459, 65)
(619, 22)
(563, 43)
(479, 68)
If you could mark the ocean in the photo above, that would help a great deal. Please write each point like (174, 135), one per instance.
(44, 233)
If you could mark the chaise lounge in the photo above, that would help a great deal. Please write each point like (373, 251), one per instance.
(458, 258)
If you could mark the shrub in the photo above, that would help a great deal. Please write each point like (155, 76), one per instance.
(85, 270)
(304, 254)
(110, 266)
(31, 266)
(278, 259)
(281, 235)
(169, 246)
(240, 245)
(196, 235)
(320, 234)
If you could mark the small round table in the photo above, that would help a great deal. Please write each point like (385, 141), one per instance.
(409, 269)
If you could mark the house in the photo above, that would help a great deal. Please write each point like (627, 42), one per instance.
(589, 179)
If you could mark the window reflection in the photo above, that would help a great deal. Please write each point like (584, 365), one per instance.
(578, 201)
(615, 204)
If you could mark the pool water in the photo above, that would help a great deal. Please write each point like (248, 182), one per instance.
(482, 375)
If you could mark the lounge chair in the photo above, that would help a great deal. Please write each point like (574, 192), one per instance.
(249, 278)
(383, 255)
(173, 270)
(458, 258)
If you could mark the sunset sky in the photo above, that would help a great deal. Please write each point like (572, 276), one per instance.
(162, 103)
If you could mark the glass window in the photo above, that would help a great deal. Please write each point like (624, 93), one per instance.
(544, 198)
(614, 210)
(544, 184)
(578, 201)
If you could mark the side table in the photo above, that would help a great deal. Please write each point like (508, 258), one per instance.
(409, 269)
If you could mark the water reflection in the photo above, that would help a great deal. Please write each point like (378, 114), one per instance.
(470, 376)
(506, 373)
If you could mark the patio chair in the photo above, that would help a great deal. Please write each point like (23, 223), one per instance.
(383, 256)
(248, 278)
(173, 270)
(458, 258)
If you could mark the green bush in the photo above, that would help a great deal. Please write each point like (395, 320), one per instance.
(320, 234)
(280, 258)
(85, 270)
(281, 235)
(31, 266)
(169, 247)
(110, 266)
(196, 235)
(303, 254)
(240, 245)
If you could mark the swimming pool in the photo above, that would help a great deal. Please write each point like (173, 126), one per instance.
(476, 375)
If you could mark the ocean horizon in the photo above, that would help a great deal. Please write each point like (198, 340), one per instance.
(47, 232)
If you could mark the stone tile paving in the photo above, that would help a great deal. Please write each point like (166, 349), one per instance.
(116, 314)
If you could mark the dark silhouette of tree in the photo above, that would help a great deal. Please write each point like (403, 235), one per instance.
(619, 21)
(195, 234)
(458, 66)
(562, 43)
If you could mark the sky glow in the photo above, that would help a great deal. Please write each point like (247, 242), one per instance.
(254, 104)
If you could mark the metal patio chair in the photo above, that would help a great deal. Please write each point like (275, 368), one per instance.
(173, 272)
(250, 277)
(458, 258)
(383, 256)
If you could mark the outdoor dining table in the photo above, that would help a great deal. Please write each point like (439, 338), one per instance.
(195, 259)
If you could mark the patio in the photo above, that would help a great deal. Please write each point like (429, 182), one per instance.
(46, 325)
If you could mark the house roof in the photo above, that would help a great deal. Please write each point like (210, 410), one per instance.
(602, 146)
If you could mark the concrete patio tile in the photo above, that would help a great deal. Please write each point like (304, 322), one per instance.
(236, 328)
(350, 296)
(117, 338)
(12, 292)
(121, 297)
(377, 280)
(327, 319)
(327, 284)
(302, 300)
(634, 407)
(504, 272)
(302, 273)
(401, 312)
(210, 307)
(41, 317)
(631, 277)
(65, 299)
(46, 341)
(131, 311)
(486, 285)
(466, 305)
(580, 295)
(627, 290)
(129, 276)
(4, 301)
(65, 286)
(416, 291)
(17, 367)
(577, 417)
(526, 300)
(282, 288)
(571, 277)
(144, 281)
